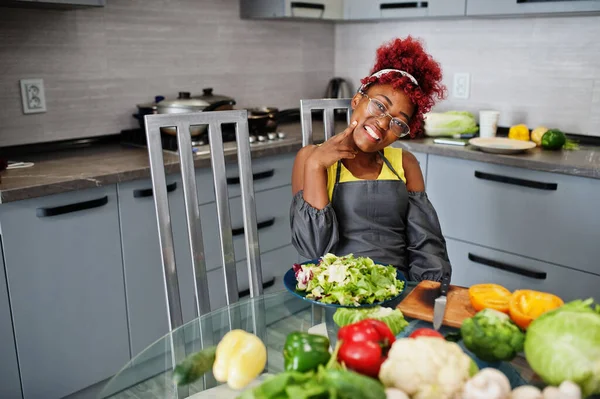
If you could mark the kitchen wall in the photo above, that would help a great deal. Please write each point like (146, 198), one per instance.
(98, 63)
(533, 70)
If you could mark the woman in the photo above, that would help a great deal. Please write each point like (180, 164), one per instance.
(355, 194)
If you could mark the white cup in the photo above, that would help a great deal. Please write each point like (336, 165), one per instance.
(488, 123)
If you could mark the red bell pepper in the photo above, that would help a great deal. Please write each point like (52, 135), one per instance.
(364, 346)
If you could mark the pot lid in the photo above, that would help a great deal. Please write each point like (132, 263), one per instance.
(210, 97)
(184, 100)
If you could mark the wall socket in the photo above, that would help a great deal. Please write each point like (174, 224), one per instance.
(32, 95)
(461, 87)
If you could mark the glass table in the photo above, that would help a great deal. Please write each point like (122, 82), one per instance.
(272, 317)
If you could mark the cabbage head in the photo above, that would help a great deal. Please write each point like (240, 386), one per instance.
(564, 344)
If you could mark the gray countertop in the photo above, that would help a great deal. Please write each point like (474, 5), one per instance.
(69, 170)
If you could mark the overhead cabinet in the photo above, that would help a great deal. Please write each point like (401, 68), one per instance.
(379, 10)
(53, 3)
(316, 9)
(523, 7)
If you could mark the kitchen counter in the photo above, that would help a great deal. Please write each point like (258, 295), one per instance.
(584, 162)
(70, 170)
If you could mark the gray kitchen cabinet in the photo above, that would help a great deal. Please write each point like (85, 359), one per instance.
(313, 9)
(274, 265)
(144, 281)
(9, 368)
(380, 10)
(272, 215)
(267, 173)
(54, 3)
(524, 7)
(474, 264)
(65, 279)
(546, 216)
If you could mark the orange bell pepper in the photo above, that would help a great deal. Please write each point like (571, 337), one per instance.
(527, 305)
(492, 296)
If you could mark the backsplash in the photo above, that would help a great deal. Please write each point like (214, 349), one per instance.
(533, 70)
(97, 64)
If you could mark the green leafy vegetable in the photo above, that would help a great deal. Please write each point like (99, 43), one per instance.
(347, 280)
(450, 123)
(564, 344)
(492, 336)
(392, 317)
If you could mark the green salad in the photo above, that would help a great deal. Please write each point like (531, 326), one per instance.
(347, 280)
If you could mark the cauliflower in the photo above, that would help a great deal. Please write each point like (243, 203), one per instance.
(426, 368)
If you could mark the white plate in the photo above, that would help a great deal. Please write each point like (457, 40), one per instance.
(501, 145)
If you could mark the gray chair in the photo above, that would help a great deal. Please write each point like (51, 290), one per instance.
(183, 122)
(328, 106)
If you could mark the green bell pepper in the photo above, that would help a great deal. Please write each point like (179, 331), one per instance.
(304, 352)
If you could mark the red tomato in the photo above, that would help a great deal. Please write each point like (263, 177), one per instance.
(363, 357)
(365, 345)
(425, 332)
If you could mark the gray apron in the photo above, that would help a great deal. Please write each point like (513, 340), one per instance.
(371, 215)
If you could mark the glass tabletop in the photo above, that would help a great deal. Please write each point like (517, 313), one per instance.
(271, 317)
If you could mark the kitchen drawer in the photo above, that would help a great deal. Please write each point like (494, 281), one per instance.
(274, 264)
(268, 173)
(381, 10)
(272, 215)
(556, 220)
(473, 264)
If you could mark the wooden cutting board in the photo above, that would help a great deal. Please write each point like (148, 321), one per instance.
(418, 304)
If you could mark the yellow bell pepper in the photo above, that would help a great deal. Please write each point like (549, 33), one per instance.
(239, 359)
(518, 132)
(537, 134)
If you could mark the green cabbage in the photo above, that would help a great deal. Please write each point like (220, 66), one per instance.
(564, 344)
(392, 317)
(450, 123)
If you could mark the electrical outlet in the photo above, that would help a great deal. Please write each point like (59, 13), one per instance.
(461, 85)
(32, 94)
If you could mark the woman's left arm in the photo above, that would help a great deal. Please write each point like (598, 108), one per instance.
(427, 253)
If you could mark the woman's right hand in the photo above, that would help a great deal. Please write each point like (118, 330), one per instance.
(340, 146)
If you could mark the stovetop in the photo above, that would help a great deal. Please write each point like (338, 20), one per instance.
(137, 138)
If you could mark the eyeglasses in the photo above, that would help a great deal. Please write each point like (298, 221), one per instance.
(379, 110)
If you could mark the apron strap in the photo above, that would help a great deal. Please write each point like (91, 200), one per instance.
(338, 172)
(389, 165)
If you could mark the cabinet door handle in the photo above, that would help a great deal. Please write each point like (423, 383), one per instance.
(395, 6)
(255, 176)
(147, 192)
(79, 206)
(509, 268)
(516, 181)
(311, 6)
(260, 225)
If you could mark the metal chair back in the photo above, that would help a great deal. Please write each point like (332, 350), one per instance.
(214, 120)
(328, 106)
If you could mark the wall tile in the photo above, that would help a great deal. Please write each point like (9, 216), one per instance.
(534, 70)
(97, 64)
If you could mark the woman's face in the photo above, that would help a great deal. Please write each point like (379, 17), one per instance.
(373, 133)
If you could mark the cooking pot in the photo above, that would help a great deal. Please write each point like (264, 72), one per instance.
(185, 103)
(262, 120)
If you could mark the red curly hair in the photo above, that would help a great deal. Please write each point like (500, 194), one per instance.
(410, 56)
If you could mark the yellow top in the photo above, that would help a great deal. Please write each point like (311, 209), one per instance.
(394, 157)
